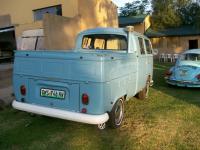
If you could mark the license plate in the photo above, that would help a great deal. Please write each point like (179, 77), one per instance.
(57, 94)
(183, 73)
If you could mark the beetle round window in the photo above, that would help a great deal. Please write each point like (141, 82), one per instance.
(105, 42)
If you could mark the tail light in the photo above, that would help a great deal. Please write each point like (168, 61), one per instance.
(85, 99)
(198, 76)
(23, 90)
(84, 110)
(168, 73)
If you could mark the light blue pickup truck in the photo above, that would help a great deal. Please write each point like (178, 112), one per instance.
(88, 84)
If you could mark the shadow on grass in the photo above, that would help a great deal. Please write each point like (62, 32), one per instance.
(20, 130)
(189, 95)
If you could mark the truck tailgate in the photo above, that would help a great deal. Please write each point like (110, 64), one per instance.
(48, 82)
(48, 92)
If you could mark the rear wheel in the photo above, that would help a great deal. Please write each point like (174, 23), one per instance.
(117, 114)
(145, 92)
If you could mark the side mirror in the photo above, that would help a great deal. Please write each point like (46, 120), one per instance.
(155, 52)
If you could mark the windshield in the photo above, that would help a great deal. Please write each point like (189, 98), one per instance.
(105, 42)
(190, 57)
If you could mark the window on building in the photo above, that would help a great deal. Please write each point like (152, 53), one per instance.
(39, 13)
(105, 42)
(148, 47)
(193, 44)
(141, 43)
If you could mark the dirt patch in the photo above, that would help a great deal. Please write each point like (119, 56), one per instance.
(6, 73)
(5, 78)
(2, 104)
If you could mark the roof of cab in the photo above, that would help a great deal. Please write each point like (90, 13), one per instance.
(120, 31)
(193, 51)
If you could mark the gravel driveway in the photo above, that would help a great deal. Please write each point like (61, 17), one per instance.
(6, 84)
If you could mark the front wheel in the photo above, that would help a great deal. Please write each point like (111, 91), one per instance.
(117, 114)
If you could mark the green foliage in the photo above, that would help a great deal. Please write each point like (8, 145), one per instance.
(190, 14)
(175, 13)
(137, 7)
(165, 14)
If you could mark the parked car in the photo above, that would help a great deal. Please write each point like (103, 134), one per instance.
(88, 84)
(186, 72)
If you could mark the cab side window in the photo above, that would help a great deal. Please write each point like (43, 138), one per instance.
(148, 47)
(141, 43)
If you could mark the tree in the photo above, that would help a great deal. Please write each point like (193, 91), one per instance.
(137, 7)
(165, 14)
(128, 10)
(173, 13)
(190, 14)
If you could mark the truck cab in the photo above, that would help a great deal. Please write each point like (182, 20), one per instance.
(88, 84)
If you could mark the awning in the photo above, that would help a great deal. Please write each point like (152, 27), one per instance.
(7, 29)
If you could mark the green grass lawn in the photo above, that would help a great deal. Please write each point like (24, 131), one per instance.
(169, 119)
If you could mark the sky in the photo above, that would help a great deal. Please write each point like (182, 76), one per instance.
(121, 3)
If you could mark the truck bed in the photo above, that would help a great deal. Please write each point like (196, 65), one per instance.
(73, 66)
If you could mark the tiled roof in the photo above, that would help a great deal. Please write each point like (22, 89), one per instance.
(179, 31)
(126, 21)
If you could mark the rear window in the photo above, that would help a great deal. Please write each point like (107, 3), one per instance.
(190, 57)
(141, 43)
(32, 43)
(105, 42)
(148, 47)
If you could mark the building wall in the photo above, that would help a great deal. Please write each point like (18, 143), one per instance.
(62, 31)
(147, 22)
(5, 21)
(29, 26)
(172, 45)
(142, 27)
(23, 17)
(139, 28)
(102, 13)
(21, 11)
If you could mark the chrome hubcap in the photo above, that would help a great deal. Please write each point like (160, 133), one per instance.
(119, 112)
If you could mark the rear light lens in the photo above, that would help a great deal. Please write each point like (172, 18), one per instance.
(85, 99)
(84, 110)
(198, 76)
(23, 90)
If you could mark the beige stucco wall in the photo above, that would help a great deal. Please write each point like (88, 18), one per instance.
(147, 22)
(139, 28)
(21, 11)
(173, 45)
(61, 32)
(5, 21)
(142, 27)
(29, 26)
(98, 13)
